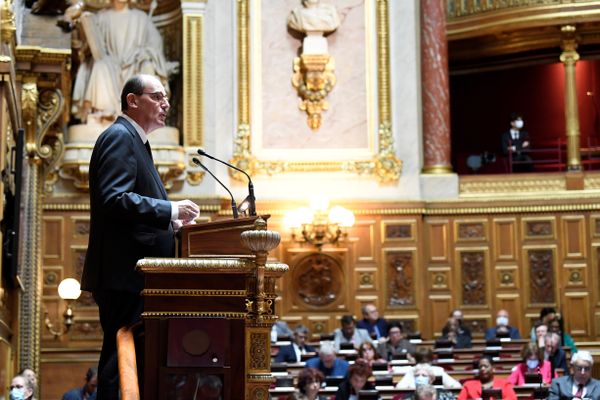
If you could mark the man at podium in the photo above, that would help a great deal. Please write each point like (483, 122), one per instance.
(131, 217)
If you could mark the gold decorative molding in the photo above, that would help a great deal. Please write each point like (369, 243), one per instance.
(216, 314)
(193, 77)
(536, 184)
(384, 165)
(8, 26)
(314, 78)
(193, 292)
(42, 55)
(569, 58)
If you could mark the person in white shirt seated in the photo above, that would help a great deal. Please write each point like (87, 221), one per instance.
(348, 333)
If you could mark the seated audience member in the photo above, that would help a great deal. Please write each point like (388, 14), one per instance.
(372, 323)
(327, 362)
(502, 328)
(578, 385)
(32, 377)
(280, 329)
(541, 330)
(348, 333)
(424, 355)
(532, 362)
(473, 388)
(21, 388)
(424, 376)
(457, 315)
(426, 392)
(556, 326)
(547, 314)
(358, 375)
(309, 384)
(554, 354)
(88, 391)
(454, 334)
(369, 353)
(292, 353)
(396, 344)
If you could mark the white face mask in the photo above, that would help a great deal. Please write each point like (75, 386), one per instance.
(421, 380)
(531, 364)
(519, 124)
(502, 321)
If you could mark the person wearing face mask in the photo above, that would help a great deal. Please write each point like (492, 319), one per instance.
(21, 388)
(424, 355)
(515, 143)
(502, 328)
(532, 363)
(424, 376)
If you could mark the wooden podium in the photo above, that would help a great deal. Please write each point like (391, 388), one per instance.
(208, 314)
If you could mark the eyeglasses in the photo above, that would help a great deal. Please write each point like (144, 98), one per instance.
(581, 369)
(157, 96)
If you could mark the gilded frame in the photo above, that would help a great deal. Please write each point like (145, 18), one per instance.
(383, 164)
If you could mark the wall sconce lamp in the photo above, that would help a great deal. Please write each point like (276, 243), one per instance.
(69, 290)
(319, 224)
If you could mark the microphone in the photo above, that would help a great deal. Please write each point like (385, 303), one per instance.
(251, 199)
(233, 204)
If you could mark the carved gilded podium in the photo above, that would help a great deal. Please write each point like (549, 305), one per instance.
(208, 314)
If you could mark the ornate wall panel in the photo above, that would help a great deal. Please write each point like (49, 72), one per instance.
(541, 274)
(364, 233)
(576, 275)
(466, 231)
(507, 276)
(538, 228)
(473, 277)
(400, 277)
(398, 230)
(437, 240)
(439, 309)
(505, 239)
(579, 322)
(574, 237)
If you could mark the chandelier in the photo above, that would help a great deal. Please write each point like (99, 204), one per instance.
(318, 224)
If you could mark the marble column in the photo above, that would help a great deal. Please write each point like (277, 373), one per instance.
(435, 88)
(569, 58)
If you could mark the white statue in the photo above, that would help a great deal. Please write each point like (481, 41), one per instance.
(123, 42)
(314, 19)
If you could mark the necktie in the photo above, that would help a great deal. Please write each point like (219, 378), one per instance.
(148, 148)
(579, 392)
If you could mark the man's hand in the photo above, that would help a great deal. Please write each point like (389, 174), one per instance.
(188, 210)
(525, 144)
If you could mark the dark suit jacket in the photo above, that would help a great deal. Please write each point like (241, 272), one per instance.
(130, 213)
(562, 388)
(507, 140)
(288, 355)
(381, 324)
(513, 333)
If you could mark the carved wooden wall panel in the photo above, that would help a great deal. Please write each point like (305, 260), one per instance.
(398, 230)
(505, 239)
(363, 237)
(574, 237)
(580, 317)
(465, 230)
(539, 228)
(317, 281)
(541, 275)
(439, 308)
(438, 240)
(473, 278)
(400, 277)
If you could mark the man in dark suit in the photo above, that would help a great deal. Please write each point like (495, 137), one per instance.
(578, 385)
(502, 328)
(130, 219)
(293, 352)
(553, 352)
(372, 323)
(515, 142)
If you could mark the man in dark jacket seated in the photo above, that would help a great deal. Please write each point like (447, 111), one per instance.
(292, 353)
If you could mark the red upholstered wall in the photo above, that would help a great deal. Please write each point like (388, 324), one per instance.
(481, 103)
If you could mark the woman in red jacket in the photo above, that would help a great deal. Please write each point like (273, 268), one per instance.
(532, 363)
(473, 388)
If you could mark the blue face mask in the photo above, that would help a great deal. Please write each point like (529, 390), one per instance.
(17, 394)
(421, 380)
(531, 364)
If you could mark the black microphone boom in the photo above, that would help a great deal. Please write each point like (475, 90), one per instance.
(233, 204)
(251, 199)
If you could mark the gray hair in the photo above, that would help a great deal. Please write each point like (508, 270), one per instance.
(582, 355)
(326, 348)
(425, 392)
(301, 329)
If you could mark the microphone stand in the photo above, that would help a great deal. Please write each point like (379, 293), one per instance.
(251, 199)
(233, 204)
